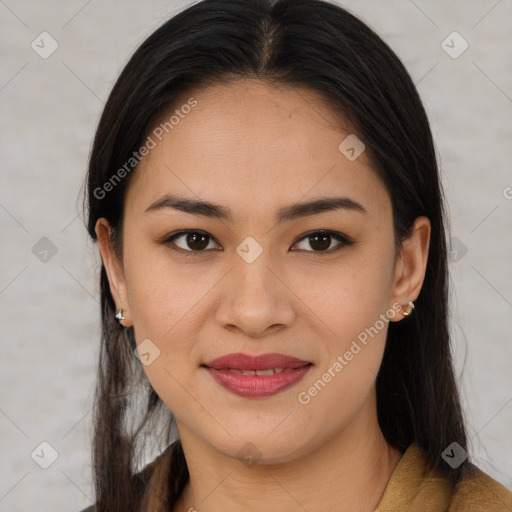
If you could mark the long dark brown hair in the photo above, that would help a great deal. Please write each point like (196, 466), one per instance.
(323, 47)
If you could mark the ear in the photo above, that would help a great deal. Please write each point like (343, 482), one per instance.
(114, 269)
(411, 265)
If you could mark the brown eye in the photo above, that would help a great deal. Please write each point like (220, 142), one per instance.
(191, 242)
(320, 241)
(196, 241)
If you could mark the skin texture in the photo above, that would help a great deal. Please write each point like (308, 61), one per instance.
(255, 148)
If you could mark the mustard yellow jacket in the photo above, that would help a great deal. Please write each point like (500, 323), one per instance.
(413, 487)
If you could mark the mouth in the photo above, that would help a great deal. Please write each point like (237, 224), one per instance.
(257, 376)
(269, 371)
(263, 362)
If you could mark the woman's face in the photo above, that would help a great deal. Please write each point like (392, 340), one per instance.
(253, 281)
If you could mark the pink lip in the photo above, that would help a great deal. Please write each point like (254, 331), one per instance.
(257, 385)
(262, 362)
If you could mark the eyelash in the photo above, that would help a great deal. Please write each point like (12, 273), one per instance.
(343, 239)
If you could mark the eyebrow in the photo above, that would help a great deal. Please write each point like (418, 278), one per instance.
(287, 213)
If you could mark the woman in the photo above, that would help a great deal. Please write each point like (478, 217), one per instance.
(264, 191)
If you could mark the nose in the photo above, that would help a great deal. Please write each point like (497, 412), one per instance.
(255, 298)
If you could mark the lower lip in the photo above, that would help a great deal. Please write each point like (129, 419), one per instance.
(258, 385)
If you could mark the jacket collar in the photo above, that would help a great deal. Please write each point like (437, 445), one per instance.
(413, 485)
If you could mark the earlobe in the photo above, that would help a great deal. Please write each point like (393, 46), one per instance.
(113, 268)
(411, 266)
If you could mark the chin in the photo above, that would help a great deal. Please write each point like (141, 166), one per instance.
(252, 450)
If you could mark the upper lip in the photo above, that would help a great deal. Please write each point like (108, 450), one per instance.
(239, 361)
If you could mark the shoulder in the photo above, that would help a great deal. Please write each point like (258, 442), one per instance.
(415, 485)
(88, 509)
(477, 491)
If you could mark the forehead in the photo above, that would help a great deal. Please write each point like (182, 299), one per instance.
(253, 144)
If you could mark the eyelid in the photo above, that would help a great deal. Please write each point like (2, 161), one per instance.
(343, 240)
(169, 240)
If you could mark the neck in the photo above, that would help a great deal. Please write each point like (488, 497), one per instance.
(349, 472)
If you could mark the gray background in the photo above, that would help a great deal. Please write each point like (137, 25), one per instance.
(49, 314)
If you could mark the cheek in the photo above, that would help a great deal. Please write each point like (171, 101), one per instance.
(349, 296)
(344, 378)
(352, 314)
(164, 305)
(162, 290)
